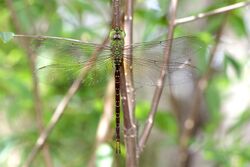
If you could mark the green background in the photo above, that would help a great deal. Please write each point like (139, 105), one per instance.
(221, 138)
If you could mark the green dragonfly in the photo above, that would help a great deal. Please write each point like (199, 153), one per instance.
(70, 56)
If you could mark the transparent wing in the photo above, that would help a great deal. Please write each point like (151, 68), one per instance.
(61, 59)
(148, 61)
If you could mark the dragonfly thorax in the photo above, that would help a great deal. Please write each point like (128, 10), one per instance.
(117, 44)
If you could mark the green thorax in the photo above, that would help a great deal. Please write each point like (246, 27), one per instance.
(117, 43)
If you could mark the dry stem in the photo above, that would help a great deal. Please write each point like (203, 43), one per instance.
(158, 91)
(212, 13)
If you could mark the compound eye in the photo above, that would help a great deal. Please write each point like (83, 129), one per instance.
(117, 36)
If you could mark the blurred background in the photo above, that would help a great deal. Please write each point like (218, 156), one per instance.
(204, 122)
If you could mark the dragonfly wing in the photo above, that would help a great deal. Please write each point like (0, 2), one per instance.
(96, 71)
(148, 61)
(60, 59)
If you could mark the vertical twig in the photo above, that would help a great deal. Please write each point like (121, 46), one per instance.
(36, 92)
(127, 83)
(116, 14)
(129, 116)
(128, 28)
(159, 88)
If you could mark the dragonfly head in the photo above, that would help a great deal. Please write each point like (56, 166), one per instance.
(117, 34)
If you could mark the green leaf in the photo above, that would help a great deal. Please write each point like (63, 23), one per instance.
(213, 101)
(166, 122)
(6, 36)
(237, 23)
(230, 60)
(140, 110)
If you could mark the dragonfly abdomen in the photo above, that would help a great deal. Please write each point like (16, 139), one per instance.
(118, 64)
(117, 106)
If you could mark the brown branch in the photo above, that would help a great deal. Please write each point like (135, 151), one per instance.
(159, 88)
(211, 13)
(36, 92)
(116, 13)
(128, 28)
(62, 106)
(193, 116)
(128, 90)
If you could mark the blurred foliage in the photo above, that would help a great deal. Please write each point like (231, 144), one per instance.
(73, 140)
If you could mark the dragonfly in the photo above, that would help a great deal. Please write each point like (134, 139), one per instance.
(70, 56)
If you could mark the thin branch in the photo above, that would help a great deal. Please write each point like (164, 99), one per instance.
(129, 116)
(211, 13)
(116, 23)
(62, 106)
(128, 28)
(36, 92)
(158, 91)
(116, 13)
